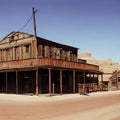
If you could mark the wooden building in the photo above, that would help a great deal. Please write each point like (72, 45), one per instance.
(115, 80)
(30, 64)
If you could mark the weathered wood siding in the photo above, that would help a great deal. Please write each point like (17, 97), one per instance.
(15, 47)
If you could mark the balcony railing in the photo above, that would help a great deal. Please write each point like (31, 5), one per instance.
(67, 64)
(47, 62)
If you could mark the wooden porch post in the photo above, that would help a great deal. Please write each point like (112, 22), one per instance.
(84, 90)
(90, 78)
(37, 82)
(84, 77)
(61, 82)
(93, 77)
(49, 81)
(40, 86)
(6, 82)
(16, 82)
(73, 81)
(102, 80)
(97, 78)
(117, 80)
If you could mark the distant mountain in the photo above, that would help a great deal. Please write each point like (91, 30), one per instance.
(107, 65)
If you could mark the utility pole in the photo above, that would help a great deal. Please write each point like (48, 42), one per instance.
(34, 21)
(35, 35)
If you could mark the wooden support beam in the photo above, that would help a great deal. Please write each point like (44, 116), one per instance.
(98, 78)
(73, 81)
(93, 77)
(16, 82)
(117, 81)
(83, 77)
(84, 90)
(102, 80)
(6, 82)
(40, 86)
(50, 81)
(61, 82)
(37, 93)
(90, 78)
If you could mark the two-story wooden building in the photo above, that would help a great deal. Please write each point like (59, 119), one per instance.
(30, 64)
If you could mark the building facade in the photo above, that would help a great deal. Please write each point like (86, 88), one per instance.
(30, 64)
(115, 80)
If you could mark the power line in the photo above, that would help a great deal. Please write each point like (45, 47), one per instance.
(25, 24)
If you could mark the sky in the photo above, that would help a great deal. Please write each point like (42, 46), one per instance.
(90, 25)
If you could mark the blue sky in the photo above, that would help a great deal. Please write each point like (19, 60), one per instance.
(90, 25)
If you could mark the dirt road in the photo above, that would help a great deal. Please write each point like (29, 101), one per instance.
(76, 107)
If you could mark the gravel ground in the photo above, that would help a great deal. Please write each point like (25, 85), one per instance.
(94, 106)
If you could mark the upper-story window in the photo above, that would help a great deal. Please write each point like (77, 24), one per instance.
(11, 38)
(43, 51)
(71, 56)
(27, 51)
(7, 54)
(57, 53)
(65, 55)
(51, 51)
(17, 53)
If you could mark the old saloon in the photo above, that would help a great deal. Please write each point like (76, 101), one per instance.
(30, 64)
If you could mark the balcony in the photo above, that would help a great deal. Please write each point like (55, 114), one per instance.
(41, 62)
(67, 64)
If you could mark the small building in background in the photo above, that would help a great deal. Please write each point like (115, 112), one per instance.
(115, 80)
